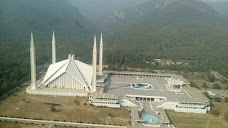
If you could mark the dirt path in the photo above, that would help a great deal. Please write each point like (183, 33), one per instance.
(39, 99)
(208, 122)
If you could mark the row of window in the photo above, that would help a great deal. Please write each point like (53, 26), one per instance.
(140, 75)
(105, 103)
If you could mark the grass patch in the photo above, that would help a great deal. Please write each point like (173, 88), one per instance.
(19, 125)
(39, 108)
(192, 120)
(222, 107)
(216, 123)
(206, 84)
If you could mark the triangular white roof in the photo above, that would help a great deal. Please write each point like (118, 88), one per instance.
(78, 70)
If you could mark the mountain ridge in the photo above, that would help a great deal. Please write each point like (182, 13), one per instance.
(173, 30)
(165, 11)
(220, 7)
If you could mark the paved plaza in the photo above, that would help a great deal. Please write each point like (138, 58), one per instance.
(121, 86)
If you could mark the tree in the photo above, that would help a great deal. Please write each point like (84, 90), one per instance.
(216, 86)
(204, 85)
(226, 86)
(226, 99)
(211, 78)
(207, 94)
(215, 112)
(52, 108)
(223, 81)
(193, 84)
(217, 99)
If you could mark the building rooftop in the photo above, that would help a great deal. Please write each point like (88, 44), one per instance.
(181, 78)
(101, 94)
(62, 90)
(78, 70)
(101, 78)
(120, 86)
(192, 95)
(140, 73)
(164, 117)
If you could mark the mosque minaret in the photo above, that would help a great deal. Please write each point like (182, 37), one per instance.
(53, 48)
(33, 63)
(101, 56)
(94, 65)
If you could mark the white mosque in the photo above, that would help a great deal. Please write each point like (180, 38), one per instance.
(68, 77)
(144, 93)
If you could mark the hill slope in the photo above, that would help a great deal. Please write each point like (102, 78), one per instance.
(221, 7)
(172, 29)
(96, 10)
(20, 17)
(164, 12)
(43, 16)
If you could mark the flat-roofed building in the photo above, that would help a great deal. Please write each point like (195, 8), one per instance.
(156, 89)
(104, 99)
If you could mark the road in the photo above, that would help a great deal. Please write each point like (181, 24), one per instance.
(58, 123)
(217, 75)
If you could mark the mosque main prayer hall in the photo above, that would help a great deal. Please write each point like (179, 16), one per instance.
(69, 77)
(142, 92)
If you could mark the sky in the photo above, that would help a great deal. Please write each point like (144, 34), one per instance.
(216, 0)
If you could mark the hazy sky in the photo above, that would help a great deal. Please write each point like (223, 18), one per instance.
(216, 0)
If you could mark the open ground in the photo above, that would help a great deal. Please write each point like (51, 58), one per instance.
(191, 120)
(19, 125)
(72, 109)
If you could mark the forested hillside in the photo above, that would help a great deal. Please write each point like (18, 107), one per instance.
(96, 10)
(188, 32)
(18, 18)
(182, 30)
(219, 6)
